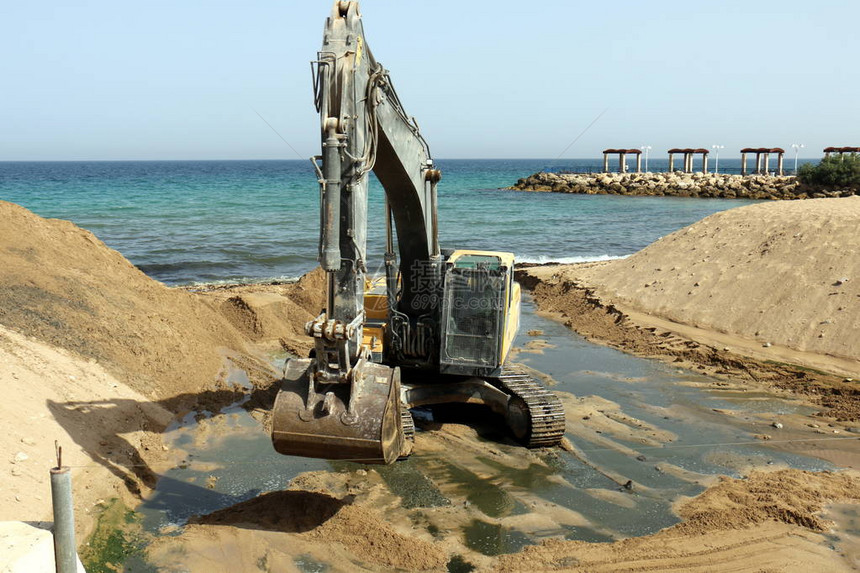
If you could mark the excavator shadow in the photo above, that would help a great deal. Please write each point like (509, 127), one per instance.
(102, 428)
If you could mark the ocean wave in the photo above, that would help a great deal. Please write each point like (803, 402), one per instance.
(242, 281)
(544, 259)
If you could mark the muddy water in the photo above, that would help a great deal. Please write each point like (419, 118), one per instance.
(643, 434)
(845, 536)
(222, 459)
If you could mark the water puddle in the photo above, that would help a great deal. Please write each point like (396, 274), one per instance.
(305, 564)
(494, 539)
(643, 434)
(845, 535)
(225, 458)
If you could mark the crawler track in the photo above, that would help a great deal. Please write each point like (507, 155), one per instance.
(408, 425)
(543, 411)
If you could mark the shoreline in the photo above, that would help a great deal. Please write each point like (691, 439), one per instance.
(707, 185)
(609, 323)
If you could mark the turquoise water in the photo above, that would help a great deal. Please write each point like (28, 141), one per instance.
(192, 221)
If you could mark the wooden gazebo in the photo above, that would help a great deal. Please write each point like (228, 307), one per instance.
(688, 158)
(762, 159)
(622, 159)
(840, 150)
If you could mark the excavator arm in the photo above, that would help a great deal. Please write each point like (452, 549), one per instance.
(363, 128)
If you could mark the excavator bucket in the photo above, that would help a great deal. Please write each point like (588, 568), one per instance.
(358, 421)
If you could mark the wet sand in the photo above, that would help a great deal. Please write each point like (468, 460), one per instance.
(471, 494)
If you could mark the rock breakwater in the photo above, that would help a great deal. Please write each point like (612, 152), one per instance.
(677, 185)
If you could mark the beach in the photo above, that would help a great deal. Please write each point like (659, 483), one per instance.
(619, 328)
(105, 360)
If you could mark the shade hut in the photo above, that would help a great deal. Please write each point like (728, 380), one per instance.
(688, 153)
(840, 150)
(622, 159)
(762, 159)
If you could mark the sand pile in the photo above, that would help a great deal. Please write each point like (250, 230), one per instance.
(343, 530)
(789, 496)
(272, 313)
(63, 286)
(779, 273)
(768, 293)
(99, 356)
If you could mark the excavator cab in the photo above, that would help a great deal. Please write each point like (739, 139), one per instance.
(480, 313)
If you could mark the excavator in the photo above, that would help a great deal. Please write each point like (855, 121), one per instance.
(437, 328)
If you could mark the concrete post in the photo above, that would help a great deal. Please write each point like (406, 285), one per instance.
(622, 164)
(638, 163)
(757, 163)
(605, 162)
(671, 162)
(704, 163)
(65, 553)
(743, 163)
(689, 161)
(779, 163)
(826, 154)
(766, 163)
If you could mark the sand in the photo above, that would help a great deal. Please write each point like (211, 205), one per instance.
(271, 314)
(101, 358)
(768, 293)
(349, 520)
(767, 522)
(320, 518)
(787, 274)
(64, 287)
(54, 395)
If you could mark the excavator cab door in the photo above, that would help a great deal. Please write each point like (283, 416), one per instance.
(474, 313)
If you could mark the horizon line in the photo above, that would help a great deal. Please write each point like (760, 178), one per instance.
(548, 159)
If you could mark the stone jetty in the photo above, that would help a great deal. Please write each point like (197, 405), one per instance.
(677, 184)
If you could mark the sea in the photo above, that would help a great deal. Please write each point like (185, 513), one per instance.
(188, 222)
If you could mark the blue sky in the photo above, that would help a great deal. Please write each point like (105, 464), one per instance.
(94, 79)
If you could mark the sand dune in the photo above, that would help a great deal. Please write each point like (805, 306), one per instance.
(63, 286)
(784, 273)
(100, 357)
(772, 275)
